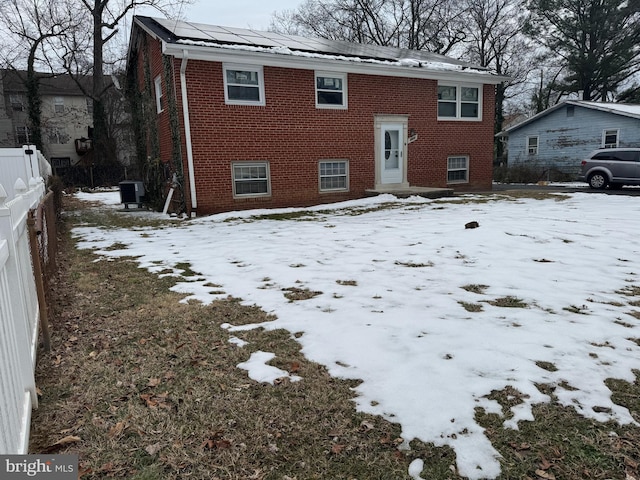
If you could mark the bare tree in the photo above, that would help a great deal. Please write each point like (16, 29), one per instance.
(433, 25)
(30, 28)
(494, 40)
(105, 17)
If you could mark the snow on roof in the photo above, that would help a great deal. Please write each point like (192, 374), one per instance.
(282, 50)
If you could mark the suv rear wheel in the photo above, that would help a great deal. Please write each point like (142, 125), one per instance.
(598, 180)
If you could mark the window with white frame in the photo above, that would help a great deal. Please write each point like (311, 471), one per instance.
(458, 169)
(243, 85)
(334, 175)
(251, 179)
(22, 135)
(57, 136)
(58, 104)
(532, 145)
(459, 102)
(17, 102)
(610, 138)
(89, 105)
(157, 85)
(331, 90)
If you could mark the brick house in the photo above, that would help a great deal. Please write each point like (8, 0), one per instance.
(248, 119)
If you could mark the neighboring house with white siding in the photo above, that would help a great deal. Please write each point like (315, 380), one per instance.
(561, 136)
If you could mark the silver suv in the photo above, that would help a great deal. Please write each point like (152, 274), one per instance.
(612, 167)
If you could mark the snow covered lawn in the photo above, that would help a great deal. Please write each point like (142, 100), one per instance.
(432, 317)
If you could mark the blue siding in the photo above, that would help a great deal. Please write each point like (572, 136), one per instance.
(564, 140)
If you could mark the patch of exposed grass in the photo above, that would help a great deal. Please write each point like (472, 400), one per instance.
(548, 366)
(294, 293)
(508, 302)
(150, 387)
(350, 283)
(471, 307)
(414, 264)
(629, 291)
(582, 310)
(475, 288)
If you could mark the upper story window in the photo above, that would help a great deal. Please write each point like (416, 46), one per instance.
(22, 135)
(243, 85)
(157, 85)
(58, 104)
(459, 102)
(57, 136)
(610, 138)
(331, 90)
(17, 102)
(532, 145)
(89, 105)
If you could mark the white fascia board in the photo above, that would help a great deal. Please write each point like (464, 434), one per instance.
(217, 54)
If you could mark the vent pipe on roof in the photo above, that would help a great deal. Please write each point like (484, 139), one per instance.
(187, 131)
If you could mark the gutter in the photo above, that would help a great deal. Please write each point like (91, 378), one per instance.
(187, 131)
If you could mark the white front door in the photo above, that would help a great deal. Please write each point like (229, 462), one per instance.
(392, 153)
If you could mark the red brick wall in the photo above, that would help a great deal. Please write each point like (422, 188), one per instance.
(293, 135)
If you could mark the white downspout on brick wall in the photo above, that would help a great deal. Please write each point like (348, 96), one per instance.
(187, 131)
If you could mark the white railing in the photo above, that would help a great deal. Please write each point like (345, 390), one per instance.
(19, 316)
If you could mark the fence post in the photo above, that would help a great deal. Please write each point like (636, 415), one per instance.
(37, 272)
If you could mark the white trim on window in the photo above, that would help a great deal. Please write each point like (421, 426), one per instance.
(532, 145)
(459, 101)
(157, 85)
(331, 90)
(333, 175)
(610, 138)
(458, 169)
(243, 84)
(250, 179)
(58, 104)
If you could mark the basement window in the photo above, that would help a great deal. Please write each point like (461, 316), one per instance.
(334, 175)
(251, 179)
(458, 169)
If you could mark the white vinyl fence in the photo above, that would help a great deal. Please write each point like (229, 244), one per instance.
(19, 310)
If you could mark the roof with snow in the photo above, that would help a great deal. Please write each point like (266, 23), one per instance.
(624, 109)
(197, 40)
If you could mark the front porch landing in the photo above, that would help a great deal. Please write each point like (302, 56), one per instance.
(404, 192)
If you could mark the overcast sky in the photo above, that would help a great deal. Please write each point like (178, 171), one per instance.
(237, 13)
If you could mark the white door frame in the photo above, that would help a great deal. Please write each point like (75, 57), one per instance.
(402, 122)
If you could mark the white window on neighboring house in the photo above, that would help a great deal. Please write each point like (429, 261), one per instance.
(157, 85)
(458, 169)
(334, 175)
(243, 85)
(89, 105)
(17, 102)
(459, 102)
(331, 90)
(57, 136)
(532, 145)
(251, 179)
(610, 138)
(58, 104)
(22, 135)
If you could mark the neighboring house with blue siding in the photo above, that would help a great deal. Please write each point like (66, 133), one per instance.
(561, 136)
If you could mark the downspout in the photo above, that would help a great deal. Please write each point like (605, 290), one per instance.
(187, 132)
